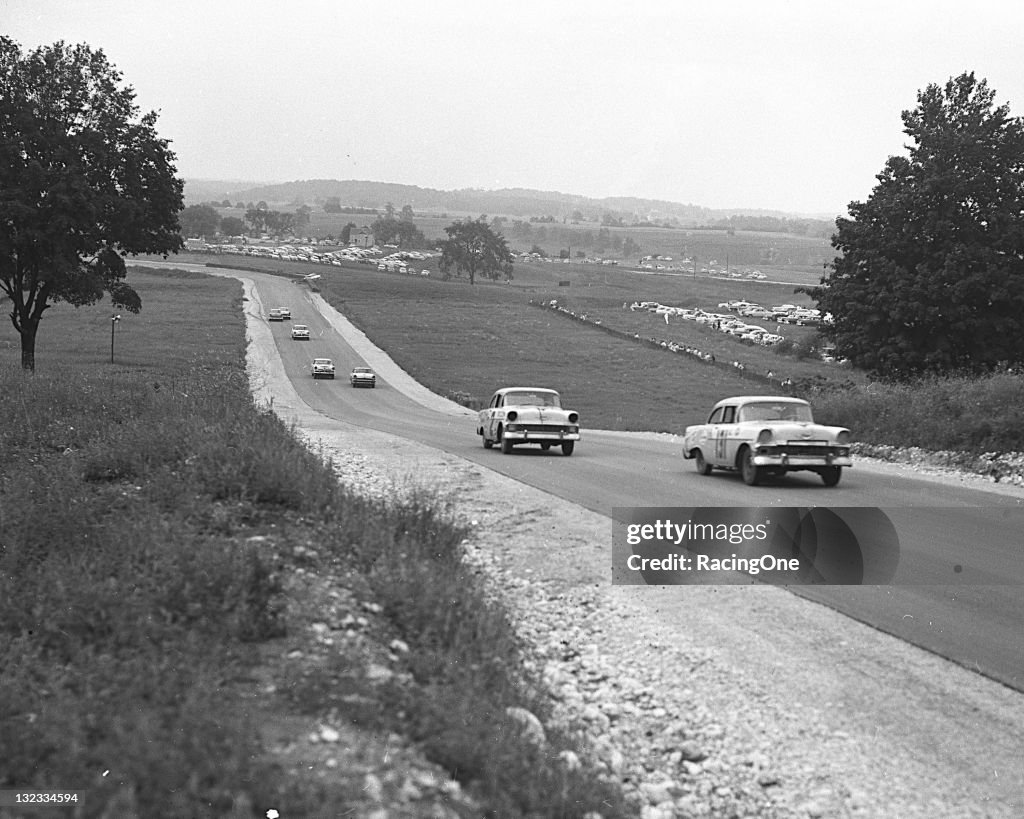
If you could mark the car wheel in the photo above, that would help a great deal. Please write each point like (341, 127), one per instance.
(752, 473)
(830, 475)
(488, 443)
(703, 467)
(506, 444)
(568, 447)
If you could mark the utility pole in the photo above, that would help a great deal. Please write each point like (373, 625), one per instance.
(113, 322)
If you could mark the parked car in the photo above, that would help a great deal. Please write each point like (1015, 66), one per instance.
(323, 368)
(362, 377)
(767, 435)
(528, 415)
(300, 332)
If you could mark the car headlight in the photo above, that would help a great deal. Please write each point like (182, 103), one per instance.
(843, 438)
(573, 417)
(764, 437)
(511, 415)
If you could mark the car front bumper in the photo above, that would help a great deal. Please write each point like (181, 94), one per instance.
(529, 436)
(791, 460)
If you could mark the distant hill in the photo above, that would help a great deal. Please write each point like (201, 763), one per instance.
(514, 202)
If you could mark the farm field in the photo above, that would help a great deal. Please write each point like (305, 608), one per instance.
(464, 341)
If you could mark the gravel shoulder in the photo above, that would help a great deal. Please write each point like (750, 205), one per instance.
(716, 701)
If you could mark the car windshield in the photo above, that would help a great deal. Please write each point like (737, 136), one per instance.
(530, 398)
(362, 370)
(321, 361)
(775, 411)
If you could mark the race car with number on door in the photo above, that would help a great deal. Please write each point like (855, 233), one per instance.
(763, 436)
(528, 415)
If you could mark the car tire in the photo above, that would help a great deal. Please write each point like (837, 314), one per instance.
(752, 473)
(830, 475)
(506, 444)
(703, 467)
(488, 443)
(568, 447)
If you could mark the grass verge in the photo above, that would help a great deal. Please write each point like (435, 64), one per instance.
(156, 530)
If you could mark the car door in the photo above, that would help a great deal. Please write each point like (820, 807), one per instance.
(725, 437)
(492, 413)
(709, 436)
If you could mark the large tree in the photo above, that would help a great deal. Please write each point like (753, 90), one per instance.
(84, 181)
(931, 276)
(200, 221)
(473, 247)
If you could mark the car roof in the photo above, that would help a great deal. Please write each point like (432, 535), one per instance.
(746, 399)
(525, 389)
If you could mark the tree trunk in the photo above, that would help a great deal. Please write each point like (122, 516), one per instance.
(28, 345)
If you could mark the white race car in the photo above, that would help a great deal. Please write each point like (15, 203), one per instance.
(528, 415)
(767, 435)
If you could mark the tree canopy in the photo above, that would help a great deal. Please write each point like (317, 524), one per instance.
(389, 229)
(84, 181)
(199, 220)
(931, 276)
(473, 247)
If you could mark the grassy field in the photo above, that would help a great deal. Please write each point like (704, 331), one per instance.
(159, 540)
(499, 338)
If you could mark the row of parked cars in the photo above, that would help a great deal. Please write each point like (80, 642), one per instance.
(322, 367)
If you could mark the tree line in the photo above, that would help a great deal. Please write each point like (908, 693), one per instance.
(204, 221)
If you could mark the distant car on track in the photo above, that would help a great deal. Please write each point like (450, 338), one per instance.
(323, 368)
(300, 332)
(286, 313)
(275, 315)
(767, 435)
(528, 415)
(363, 377)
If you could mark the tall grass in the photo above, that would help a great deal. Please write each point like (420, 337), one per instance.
(967, 414)
(150, 519)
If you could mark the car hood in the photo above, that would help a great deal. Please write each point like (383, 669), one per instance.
(797, 430)
(540, 415)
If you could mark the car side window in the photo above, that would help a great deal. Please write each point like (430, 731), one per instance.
(729, 415)
(716, 416)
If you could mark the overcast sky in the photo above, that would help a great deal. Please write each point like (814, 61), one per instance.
(793, 105)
